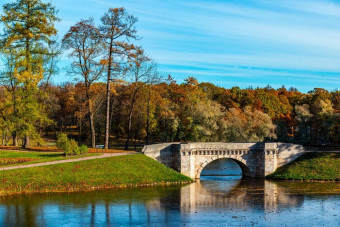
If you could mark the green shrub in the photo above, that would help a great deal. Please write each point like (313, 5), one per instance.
(74, 147)
(62, 141)
(83, 149)
(70, 147)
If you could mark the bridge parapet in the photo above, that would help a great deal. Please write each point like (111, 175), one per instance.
(255, 159)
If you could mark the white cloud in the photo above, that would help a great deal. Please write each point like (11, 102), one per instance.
(235, 39)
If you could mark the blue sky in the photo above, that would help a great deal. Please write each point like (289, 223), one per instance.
(230, 43)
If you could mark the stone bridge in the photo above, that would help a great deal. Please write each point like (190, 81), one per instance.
(255, 159)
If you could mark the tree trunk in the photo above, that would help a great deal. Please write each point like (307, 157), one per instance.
(15, 139)
(129, 131)
(98, 130)
(166, 120)
(3, 138)
(79, 133)
(93, 131)
(130, 122)
(91, 118)
(148, 119)
(27, 141)
(107, 123)
(135, 140)
(111, 119)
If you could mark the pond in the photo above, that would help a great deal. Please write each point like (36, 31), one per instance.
(218, 199)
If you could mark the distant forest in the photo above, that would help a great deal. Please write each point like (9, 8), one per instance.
(120, 96)
(193, 111)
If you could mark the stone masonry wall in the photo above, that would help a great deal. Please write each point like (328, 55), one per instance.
(288, 152)
(165, 153)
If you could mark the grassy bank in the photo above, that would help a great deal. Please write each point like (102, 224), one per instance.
(311, 166)
(14, 158)
(121, 171)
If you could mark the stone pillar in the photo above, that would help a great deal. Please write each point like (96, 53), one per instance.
(270, 162)
(270, 158)
(260, 163)
(187, 166)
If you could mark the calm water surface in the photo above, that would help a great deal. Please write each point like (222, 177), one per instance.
(214, 201)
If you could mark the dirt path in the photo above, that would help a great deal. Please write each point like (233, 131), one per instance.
(66, 161)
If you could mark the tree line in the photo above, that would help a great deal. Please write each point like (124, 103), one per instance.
(120, 95)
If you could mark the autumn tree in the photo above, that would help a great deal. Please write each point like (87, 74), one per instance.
(156, 107)
(248, 125)
(86, 45)
(335, 97)
(285, 127)
(303, 116)
(28, 26)
(10, 95)
(142, 71)
(324, 116)
(190, 95)
(117, 26)
(334, 130)
(208, 121)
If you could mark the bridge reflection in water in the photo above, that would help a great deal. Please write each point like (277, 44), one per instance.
(242, 194)
(243, 202)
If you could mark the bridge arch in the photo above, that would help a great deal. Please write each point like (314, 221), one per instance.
(246, 172)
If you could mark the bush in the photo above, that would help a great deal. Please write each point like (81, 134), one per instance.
(67, 148)
(83, 149)
(62, 142)
(70, 147)
(74, 147)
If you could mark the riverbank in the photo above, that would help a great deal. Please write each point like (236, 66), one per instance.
(313, 166)
(114, 172)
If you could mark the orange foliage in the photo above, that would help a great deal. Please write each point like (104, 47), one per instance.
(9, 147)
(99, 150)
(45, 149)
(9, 161)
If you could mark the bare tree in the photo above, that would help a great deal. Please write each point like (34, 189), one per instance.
(51, 60)
(142, 71)
(84, 39)
(117, 24)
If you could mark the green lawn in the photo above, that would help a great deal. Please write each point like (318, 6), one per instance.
(37, 156)
(311, 166)
(120, 171)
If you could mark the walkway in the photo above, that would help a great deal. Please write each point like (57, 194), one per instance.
(66, 161)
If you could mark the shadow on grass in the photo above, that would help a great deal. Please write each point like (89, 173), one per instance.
(51, 155)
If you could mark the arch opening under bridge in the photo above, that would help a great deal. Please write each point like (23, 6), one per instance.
(223, 167)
